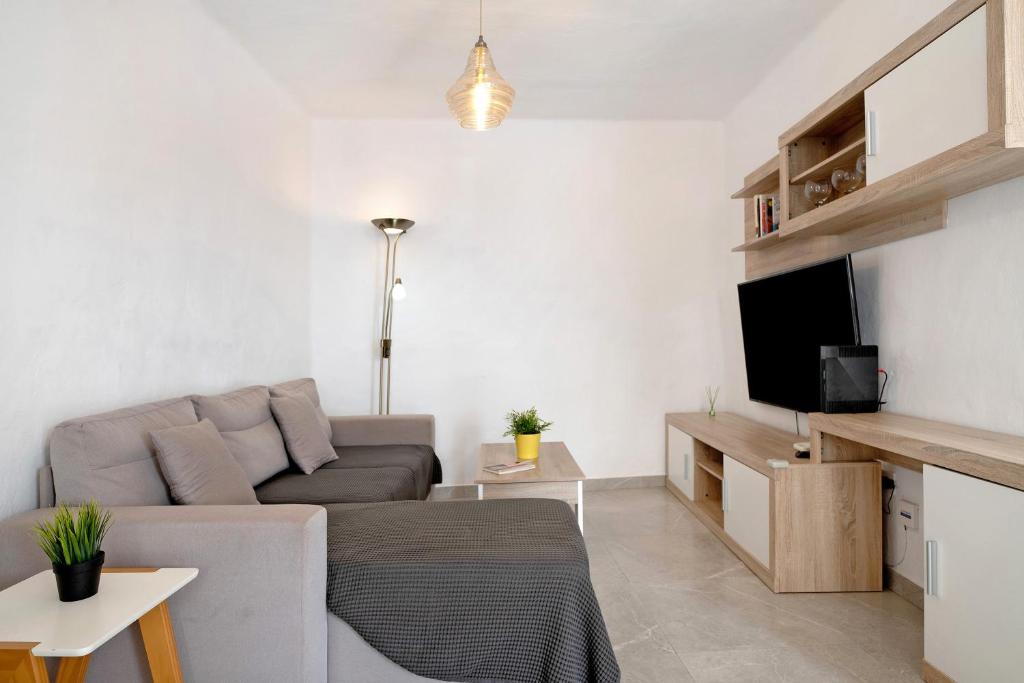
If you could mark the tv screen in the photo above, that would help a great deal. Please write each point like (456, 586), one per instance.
(786, 319)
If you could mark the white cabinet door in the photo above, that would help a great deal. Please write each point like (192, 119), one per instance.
(745, 501)
(932, 102)
(974, 578)
(680, 461)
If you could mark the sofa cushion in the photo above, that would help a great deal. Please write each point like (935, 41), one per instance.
(307, 444)
(417, 459)
(373, 485)
(199, 468)
(306, 386)
(110, 456)
(244, 420)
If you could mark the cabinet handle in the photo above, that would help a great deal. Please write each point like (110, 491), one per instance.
(931, 568)
(686, 466)
(725, 495)
(871, 135)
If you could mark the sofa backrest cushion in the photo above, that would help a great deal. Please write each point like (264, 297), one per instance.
(247, 426)
(306, 386)
(307, 444)
(110, 456)
(199, 468)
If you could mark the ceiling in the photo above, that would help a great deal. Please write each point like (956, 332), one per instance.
(617, 59)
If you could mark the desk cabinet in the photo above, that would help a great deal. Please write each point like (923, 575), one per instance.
(974, 593)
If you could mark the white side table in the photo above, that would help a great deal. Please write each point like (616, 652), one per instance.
(34, 624)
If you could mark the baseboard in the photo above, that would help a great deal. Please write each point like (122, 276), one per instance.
(652, 481)
(932, 675)
(904, 587)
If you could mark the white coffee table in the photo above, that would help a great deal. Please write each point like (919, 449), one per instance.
(34, 624)
(556, 476)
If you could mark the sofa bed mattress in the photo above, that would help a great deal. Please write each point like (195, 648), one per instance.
(420, 460)
(325, 486)
(470, 590)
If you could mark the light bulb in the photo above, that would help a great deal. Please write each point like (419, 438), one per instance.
(398, 290)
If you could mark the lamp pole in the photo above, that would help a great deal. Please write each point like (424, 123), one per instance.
(393, 290)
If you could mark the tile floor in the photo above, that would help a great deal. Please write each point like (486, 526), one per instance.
(680, 607)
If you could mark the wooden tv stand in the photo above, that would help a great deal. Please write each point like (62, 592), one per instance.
(800, 526)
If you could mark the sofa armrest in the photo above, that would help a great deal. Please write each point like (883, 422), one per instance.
(383, 430)
(257, 609)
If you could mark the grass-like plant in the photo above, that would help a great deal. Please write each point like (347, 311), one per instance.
(712, 394)
(525, 422)
(69, 538)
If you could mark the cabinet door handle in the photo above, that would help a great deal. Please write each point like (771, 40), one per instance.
(871, 135)
(686, 466)
(931, 568)
(725, 495)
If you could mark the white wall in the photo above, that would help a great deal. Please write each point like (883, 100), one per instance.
(155, 230)
(565, 264)
(945, 308)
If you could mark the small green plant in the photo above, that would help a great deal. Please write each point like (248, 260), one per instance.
(525, 422)
(70, 539)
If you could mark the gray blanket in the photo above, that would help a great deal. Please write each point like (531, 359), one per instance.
(470, 591)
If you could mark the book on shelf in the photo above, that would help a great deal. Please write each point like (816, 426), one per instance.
(510, 468)
(766, 214)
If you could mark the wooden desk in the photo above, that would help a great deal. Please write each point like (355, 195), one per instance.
(970, 512)
(34, 624)
(911, 442)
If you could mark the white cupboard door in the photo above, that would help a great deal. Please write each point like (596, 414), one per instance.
(930, 103)
(745, 501)
(680, 461)
(974, 578)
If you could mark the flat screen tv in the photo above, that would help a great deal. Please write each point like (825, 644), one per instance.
(786, 319)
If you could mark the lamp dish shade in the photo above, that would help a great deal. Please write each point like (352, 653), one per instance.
(393, 226)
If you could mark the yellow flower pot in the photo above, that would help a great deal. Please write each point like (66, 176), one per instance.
(527, 446)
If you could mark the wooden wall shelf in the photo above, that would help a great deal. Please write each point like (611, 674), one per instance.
(762, 242)
(844, 158)
(762, 180)
(910, 197)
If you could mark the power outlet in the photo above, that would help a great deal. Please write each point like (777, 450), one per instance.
(908, 514)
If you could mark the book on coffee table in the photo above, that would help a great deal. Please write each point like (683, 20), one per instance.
(510, 468)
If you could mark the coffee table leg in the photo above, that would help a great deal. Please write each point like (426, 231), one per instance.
(72, 669)
(19, 665)
(579, 504)
(161, 648)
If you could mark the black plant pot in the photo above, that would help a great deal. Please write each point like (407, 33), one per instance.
(78, 581)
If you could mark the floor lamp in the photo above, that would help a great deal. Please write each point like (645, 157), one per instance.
(394, 290)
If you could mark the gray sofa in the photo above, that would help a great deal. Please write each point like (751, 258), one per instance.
(257, 611)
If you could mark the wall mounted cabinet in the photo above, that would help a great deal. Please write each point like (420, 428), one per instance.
(939, 116)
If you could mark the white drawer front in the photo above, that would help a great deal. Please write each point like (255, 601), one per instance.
(680, 461)
(974, 609)
(745, 500)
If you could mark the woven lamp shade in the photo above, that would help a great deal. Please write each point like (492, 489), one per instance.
(481, 98)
